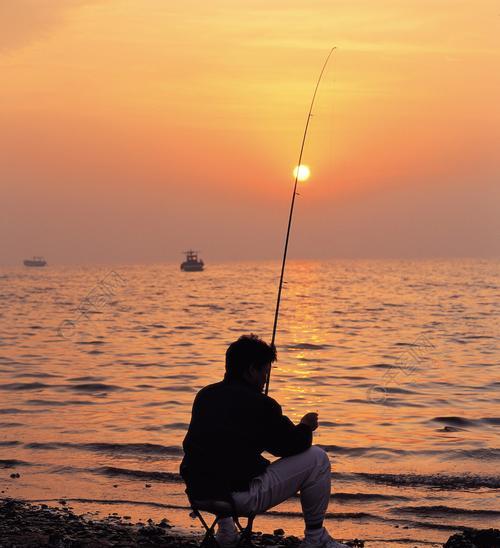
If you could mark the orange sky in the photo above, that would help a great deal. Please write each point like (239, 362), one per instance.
(133, 129)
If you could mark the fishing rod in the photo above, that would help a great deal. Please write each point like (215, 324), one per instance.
(294, 193)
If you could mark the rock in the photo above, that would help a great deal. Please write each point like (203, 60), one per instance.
(290, 541)
(279, 532)
(356, 543)
(487, 538)
(150, 531)
(458, 541)
(474, 538)
(55, 539)
(268, 539)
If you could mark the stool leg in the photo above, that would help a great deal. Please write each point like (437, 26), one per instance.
(209, 538)
(246, 533)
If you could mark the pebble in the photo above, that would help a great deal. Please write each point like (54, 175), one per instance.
(23, 524)
(486, 538)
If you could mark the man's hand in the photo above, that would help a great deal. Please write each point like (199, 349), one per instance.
(311, 419)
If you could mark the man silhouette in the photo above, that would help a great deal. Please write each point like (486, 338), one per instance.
(232, 423)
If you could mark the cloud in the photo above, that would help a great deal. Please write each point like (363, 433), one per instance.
(25, 21)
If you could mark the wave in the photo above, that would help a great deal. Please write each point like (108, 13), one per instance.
(491, 453)
(15, 411)
(140, 364)
(178, 388)
(88, 378)
(178, 376)
(24, 386)
(381, 366)
(491, 420)
(437, 481)
(215, 307)
(55, 403)
(436, 526)
(12, 463)
(330, 515)
(450, 429)
(366, 497)
(307, 346)
(117, 501)
(464, 422)
(163, 477)
(388, 402)
(113, 448)
(333, 424)
(94, 387)
(443, 510)
(35, 375)
(151, 449)
(172, 426)
(440, 481)
(362, 451)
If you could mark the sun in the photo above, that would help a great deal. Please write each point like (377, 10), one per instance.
(302, 172)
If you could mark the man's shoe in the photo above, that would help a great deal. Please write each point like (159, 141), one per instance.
(323, 541)
(227, 538)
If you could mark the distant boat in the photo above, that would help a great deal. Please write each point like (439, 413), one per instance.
(35, 261)
(192, 263)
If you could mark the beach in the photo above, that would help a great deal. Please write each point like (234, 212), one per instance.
(38, 526)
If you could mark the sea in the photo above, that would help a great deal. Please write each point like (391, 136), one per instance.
(99, 366)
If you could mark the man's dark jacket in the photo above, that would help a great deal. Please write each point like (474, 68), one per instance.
(231, 425)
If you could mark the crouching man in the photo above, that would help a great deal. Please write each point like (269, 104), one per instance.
(232, 423)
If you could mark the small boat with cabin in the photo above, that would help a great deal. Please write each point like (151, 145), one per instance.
(192, 263)
(35, 261)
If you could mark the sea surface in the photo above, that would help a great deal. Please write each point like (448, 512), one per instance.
(99, 367)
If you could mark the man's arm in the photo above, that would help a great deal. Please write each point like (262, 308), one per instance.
(282, 438)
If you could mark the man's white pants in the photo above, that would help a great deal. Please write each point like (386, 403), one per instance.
(308, 473)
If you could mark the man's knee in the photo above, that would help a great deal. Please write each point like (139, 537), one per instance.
(319, 455)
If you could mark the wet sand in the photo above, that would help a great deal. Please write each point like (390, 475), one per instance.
(38, 526)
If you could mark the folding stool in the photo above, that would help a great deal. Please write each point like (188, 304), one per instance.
(220, 509)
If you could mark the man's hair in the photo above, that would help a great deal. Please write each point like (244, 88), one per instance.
(246, 351)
